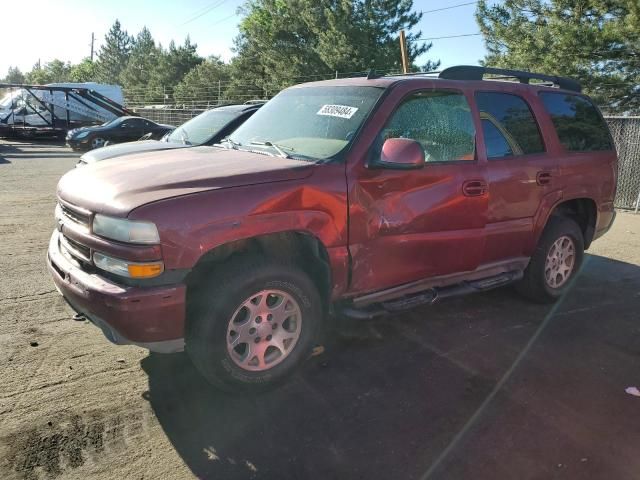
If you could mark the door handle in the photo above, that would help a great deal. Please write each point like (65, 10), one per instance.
(474, 188)
(544, 178)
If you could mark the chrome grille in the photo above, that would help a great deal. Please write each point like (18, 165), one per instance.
(76, 250)
(76, 215)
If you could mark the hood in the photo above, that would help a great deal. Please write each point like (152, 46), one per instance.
(88, 128)
(120, 149)
(92, 128)
(118, 186)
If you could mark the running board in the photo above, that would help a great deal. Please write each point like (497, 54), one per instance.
(430, 296)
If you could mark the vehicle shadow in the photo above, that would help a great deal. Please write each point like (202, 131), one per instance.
(4, 161)
(34, 148)
(388, 396)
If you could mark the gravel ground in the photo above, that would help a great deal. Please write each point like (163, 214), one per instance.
(481, 387)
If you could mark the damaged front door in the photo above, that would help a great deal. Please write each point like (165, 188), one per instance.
(406, 225)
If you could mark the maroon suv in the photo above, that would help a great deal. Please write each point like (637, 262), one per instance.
(355, 197)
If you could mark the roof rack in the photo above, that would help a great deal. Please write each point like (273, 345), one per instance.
(474, 72)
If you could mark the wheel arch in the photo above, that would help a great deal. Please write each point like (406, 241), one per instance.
(297, 246)
(583, 210)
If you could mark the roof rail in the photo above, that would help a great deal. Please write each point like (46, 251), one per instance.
(474, 72)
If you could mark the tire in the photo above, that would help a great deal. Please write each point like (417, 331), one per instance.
(546, 281)
(96, 142)
(222, 303)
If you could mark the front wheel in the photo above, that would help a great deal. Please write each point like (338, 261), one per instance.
(251, 325)
(555, 262)
(97, 142)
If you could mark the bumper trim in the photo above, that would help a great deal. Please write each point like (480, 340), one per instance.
(164, 346)
(152, 317)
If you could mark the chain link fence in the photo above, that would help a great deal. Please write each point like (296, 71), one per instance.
(168, 115)
(626, 135)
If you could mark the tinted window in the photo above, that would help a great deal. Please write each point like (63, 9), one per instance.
(440, 121)
(135, 123)
(578, 123)
(514, 116)
(496, 144)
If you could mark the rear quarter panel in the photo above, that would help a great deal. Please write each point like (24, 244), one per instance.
(591, 175)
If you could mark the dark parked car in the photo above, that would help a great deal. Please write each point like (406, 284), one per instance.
(362, 197)
(208, 128)
(121, 129)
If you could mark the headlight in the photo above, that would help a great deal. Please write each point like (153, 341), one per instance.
(130, 231)
(81, 135)
(127, 269)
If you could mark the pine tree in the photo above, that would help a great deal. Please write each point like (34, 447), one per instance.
(283, 41)
(199, 87)
(595, 41)
(175, 62)
(143, 59)
(114, 54)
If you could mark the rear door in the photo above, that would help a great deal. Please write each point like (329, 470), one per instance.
(521, 172)
(407, 225)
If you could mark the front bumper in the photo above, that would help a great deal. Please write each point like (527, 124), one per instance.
(150, 317)
(81, 144)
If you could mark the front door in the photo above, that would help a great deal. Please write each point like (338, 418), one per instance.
(131, 130)
(407, 225)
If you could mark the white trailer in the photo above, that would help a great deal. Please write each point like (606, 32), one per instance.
(58, 107)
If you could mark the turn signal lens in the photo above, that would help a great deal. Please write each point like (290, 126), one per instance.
(127, 269)
(146, 270)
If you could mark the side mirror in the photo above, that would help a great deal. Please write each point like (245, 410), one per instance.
(400, 154)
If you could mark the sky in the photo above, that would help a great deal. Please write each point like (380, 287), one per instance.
(62, 28)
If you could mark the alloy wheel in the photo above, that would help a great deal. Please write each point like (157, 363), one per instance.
(561, 259)
(264, 330)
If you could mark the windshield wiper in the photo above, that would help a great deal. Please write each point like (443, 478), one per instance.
(229, 143)
(276, 147)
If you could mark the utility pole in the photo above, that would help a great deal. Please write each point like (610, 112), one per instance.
(92, 41)
(403, 52)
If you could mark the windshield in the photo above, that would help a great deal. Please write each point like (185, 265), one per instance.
(200, 129)
(316, 122)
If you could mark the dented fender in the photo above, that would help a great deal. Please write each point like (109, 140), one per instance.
(191, 226)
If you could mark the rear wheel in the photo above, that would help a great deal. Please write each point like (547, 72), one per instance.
(253, 324)
(555, 262)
